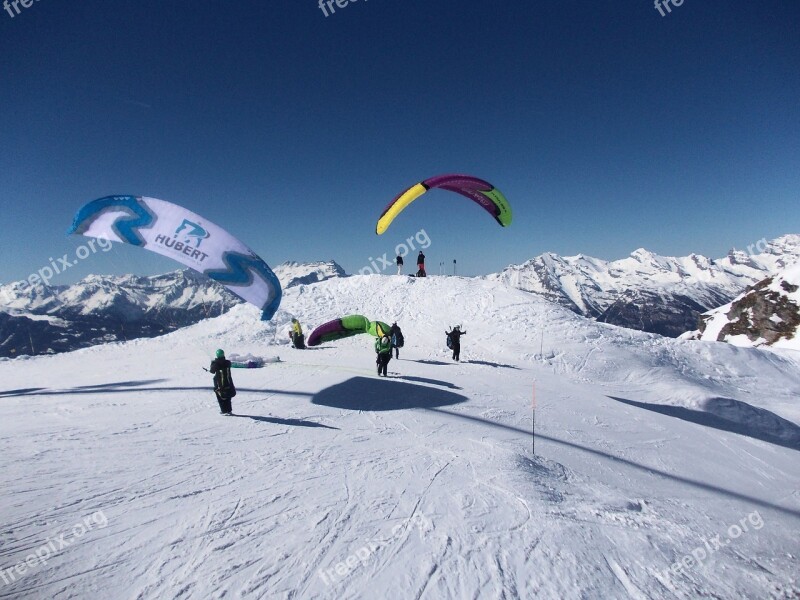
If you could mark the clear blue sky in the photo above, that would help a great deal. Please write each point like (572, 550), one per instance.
(607, 126)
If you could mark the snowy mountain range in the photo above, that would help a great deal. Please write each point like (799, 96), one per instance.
(766, 314)
(648, 292)
(100, 309)
(662, 469)
(645, 291)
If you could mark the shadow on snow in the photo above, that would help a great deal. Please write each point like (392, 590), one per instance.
(290, 422)
(428, 361)
(731, 415)
(490, 364)
(19, 392)
(446, 384)
(366, 393)
(128, 388)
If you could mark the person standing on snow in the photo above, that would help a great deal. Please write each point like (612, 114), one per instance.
(223, 382)
(421, 265)
(296, 335)
(396, 336)
(383, 348)
(455, 341)
(399, 261)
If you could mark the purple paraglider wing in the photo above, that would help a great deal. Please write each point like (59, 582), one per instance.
(479, 191)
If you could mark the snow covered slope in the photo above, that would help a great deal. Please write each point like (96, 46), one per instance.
(646, 291)
(663, 468)
(768, 313)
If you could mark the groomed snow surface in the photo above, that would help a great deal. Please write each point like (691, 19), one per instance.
(663, 468)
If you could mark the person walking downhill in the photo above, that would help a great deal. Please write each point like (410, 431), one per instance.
(223, 382)
(455, 341)
(397, 339)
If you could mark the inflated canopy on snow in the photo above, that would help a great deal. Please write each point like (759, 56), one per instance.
(345, 327)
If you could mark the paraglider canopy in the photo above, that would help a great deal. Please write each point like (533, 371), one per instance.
(180, 234)
(344, 327)
(479, 191)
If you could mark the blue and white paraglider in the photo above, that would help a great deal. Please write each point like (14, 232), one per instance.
(180, 234)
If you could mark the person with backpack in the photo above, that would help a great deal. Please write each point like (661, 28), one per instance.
(296, 335)
(397, 339)
(223, 382)
(421, 265)
(399, 261)
(454, 341)
(383, 349)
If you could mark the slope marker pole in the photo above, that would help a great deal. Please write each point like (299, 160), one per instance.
(533, 414)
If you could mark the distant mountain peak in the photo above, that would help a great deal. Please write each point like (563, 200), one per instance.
(293, 273)
(647, 291)
(107, 308)
(643, 253)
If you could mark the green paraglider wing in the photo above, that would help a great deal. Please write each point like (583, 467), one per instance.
(378, 329)
(344, 327)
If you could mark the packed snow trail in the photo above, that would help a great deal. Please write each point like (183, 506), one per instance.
(332, 483)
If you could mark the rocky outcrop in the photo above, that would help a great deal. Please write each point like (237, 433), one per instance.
(766, 314)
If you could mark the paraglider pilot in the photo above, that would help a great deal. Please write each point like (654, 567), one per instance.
(421, 265)
(399, 261)
(397, 338)
(296, 335)
(454, 339)
(383, 348)
(223, 382)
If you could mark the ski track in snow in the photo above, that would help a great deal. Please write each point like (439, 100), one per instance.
(333, 483)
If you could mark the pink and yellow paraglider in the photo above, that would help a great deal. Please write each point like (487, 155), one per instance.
(479, 191)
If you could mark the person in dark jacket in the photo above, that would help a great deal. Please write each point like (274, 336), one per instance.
(421, 265)
(397, 339)
(223, 382)
(383, 348)
(455, 341)
(399, 261)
